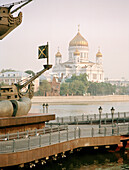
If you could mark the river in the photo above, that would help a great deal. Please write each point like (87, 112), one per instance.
(87, 159)
(73, 110)
(90, 160)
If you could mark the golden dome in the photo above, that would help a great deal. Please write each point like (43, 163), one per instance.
(76, 52)
(78, 40)
(99, 54)
(58, 54)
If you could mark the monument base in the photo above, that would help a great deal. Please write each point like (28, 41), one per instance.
(23, 123)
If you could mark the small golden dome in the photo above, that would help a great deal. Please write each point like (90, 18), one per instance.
(99, 54)
(58, 54)
(78, 40)
(76, 52)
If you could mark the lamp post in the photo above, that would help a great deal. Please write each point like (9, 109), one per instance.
(112, 113)
(100, 112)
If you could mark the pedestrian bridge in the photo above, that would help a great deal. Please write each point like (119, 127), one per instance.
(41, 145)
(105, 118)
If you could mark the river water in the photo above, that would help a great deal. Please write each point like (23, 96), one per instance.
(87, 159)
(73, 110)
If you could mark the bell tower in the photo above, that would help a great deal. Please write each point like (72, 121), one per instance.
(58, 57)
(99, 57)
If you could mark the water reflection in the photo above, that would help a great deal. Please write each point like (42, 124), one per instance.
(89, 160)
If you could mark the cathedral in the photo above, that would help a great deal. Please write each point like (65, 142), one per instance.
(78, 62)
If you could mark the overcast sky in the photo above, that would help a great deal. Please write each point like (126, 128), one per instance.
(103, 23)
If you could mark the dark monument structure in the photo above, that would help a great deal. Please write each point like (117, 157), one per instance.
(15, 99)
(7, 21)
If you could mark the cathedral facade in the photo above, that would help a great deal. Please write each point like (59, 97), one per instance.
(78, 62)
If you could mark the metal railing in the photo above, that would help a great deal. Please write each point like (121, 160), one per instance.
(90, 118)
(29, 133)
(50, 138)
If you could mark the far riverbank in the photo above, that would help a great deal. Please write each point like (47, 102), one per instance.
(79, 99)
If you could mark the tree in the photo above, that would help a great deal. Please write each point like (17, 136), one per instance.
(81, 77)
(76, 85)
(101, 88)
(44, 88)
(77, 88)
(64, 89)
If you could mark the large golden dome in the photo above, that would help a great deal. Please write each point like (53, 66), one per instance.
(78, 40)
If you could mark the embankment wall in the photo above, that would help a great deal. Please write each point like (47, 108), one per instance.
(79, 99)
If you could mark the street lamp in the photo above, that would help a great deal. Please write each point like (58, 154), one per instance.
(112, 112)
(100, 112)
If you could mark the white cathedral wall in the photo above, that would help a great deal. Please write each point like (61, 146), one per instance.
(95, 74)
(83, 53)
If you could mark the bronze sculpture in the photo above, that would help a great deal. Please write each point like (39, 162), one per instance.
(13, 100)
(7, 21)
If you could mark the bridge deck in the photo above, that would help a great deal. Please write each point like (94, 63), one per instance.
(105, 118)
(23, 150)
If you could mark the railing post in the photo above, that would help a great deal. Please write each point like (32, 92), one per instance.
(117, 121)
(13, 145)
(39, 140)
(67, 134)
(118, 115)
(18, 135)
(74, 119)
(77, 121)
(57, 119)
(70, 118)
(51, 128)
(87, 117)
(44, 130)
(62, 120)
(124, 116)
(58, 136)
(50, 138)
(8, 136)
(105, 121)
(35, 132)
(95, 116)
(83, 117)
(79, 132)
(112, 130)
(106, 115)
(105, 130)
(28, 143)
(74, 133)
(91, 121)
(92, 132)
(118, 130)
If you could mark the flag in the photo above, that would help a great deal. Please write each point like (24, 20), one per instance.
(43, 51)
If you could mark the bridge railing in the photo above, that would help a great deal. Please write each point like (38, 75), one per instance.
(51, 138)
(90, 118)
(35, 132)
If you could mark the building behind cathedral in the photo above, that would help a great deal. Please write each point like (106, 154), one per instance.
(78, 62)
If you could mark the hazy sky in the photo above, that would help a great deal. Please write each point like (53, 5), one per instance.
(103, 23)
